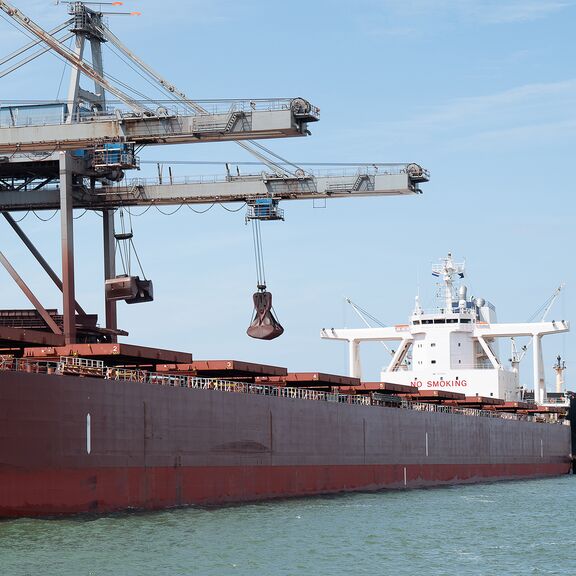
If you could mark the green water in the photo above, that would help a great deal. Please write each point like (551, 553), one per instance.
(508, 528)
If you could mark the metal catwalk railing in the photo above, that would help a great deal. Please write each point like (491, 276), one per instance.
(95, 368)
(14, 114)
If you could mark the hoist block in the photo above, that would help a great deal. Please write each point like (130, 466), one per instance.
(264, 325)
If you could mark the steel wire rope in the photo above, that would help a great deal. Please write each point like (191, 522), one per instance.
(45, 219)
(146, 98)
(62, 59)
(138, 260)
(366, 313)
(66, 65)
(122, 247)
(258, 252)
(277, 156)
(133, 247)
(233, 210)
(128, 88)
(190, 105)
(137, 215)
(34, 56)
(191, 108)
(81, 215)
(167, 213)
(542, 308)
(32, 157)
(32, 45)
(202, 211)
(155, 85)
(32, 37)
(145, 74)
(20, 220)
(270, 163)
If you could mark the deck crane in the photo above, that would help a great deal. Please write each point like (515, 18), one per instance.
(364, 315)
(41, 168)
(518, 355)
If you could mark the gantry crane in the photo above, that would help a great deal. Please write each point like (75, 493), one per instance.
(74, 154)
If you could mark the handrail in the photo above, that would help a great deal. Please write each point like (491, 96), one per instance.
(56, 113)
(91, 368)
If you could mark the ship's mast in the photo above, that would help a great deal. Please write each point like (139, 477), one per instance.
(448, 270)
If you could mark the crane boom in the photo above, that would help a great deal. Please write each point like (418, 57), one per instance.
(277, 119)
(518, 357)
(198, 190)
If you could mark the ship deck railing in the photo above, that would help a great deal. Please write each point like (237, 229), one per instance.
(89, 368)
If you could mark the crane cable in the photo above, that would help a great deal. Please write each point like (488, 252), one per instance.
(250, 145)
(258, 254)
(545, 307)
(125, 245)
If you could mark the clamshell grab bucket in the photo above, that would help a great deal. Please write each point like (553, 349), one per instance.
(264, 325)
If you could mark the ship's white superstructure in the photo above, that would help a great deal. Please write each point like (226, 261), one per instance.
(455, 347)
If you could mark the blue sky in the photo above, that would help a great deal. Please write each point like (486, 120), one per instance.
(481, 93)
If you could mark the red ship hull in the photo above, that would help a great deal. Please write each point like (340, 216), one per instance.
(71, 444)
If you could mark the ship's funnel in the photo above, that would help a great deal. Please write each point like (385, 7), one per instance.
(264, 325)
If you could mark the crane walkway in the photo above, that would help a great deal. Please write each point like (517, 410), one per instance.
(399, 180)
(40, 128)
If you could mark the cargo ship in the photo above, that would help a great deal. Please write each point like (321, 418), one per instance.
(104, 427)
(89, 424)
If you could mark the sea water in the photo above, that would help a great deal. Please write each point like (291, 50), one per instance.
(504, 528)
